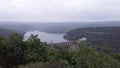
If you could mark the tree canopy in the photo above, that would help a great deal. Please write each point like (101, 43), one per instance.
(15, 52)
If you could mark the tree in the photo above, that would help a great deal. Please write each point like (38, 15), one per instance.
(88, 57)
(11, 51)
(14, 51)
(36, 50)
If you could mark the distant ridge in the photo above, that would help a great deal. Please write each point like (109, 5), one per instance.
(7, 32)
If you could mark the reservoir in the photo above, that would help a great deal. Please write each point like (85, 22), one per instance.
(47, 37)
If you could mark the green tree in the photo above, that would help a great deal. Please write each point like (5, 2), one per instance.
(88, 57)
(116, 56)
(14, 51)
(11, 51)
(36, 50)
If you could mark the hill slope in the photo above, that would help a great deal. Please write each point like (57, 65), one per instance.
(7, 32)
(97, 35)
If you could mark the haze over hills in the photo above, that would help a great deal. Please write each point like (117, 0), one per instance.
(16, 27)
(8, 32)
(53, 27)
(65, 27)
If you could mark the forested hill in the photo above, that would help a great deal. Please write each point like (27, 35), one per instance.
(17, 27)
(97, 35)
(7, 32)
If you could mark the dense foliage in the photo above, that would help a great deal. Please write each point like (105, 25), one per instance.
(86, 57)
(32, 53)
(14, 51)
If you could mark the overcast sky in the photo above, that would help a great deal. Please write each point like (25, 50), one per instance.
(59, 10)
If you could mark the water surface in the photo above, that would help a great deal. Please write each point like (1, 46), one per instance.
(47, 37)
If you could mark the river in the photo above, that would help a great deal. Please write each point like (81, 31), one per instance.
(47, 37)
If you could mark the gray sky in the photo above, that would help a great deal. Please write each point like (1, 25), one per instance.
(59, 10)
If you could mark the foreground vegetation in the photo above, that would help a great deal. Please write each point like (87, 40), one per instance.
(32, 53)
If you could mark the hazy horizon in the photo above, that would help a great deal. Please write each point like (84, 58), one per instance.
(38, 22)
